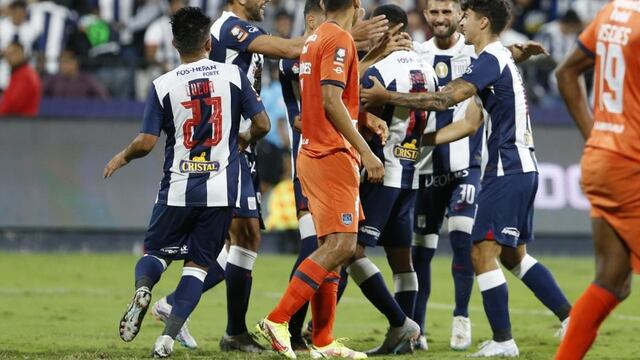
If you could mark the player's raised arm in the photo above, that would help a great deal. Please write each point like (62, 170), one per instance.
(395, 40)
(277, 47)
(457, 130)
(521, 52)
(364, 30)
(455, 92)
(569, 75)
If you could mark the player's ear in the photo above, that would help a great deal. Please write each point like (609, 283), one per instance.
(207, 44)
(484, 23)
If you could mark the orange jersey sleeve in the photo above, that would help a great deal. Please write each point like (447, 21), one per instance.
(613, 40)
(337, 57)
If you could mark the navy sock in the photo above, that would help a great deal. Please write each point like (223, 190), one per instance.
(495, 298)
(462, 271)
(214, 277)
(539, 280)
(187, 296)
(368, 277)
(308, 246)
(421, 257)
(238, 278)
(406, 286)
(148, 271)
(342, 285)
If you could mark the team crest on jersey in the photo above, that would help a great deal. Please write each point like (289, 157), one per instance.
(239, 33)
(347, 218)
(442, 70)
(199, 165)
(407, 151)
(341, 53)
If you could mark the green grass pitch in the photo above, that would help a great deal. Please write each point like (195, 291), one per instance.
(67, 307)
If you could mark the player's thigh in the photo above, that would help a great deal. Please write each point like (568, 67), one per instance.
(613, 266)
(166, 236)
(429, 209)
(250, 197)
(378, 203)
(208, 234)
(331, 185)
(463, 201)
(398, 232)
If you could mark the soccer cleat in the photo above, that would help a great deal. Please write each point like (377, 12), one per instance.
(460, 333)
(132, 319)
(161, 311)
(563, 329)
(335, 349)
(278, 336)
(422, 344)
(493, 348)
(398, 340)
(307, 332)
(243, 342)
(163, 347)
(299, 344)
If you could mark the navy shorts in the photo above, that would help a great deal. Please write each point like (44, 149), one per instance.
(302, 203)
(389, 216)
(505, 209)
(187, 233)
(250, 196)
(454, 193)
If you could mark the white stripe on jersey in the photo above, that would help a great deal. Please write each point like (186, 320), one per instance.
(175, 86)
(397, 67)
(460, 56)
(55, 33)
(523, 132)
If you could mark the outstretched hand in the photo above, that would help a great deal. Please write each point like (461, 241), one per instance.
(365, 30)
(396, 41)
(374, 96)
(531, 48)
(114, 164)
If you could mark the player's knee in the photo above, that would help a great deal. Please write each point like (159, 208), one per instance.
(482, 259)
(399, 259)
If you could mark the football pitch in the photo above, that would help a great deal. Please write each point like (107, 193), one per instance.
(67, 306)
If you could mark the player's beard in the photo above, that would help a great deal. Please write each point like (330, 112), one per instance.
(444, 34)
(255, 12)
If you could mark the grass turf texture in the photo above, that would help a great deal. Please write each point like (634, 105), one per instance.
(68, 307)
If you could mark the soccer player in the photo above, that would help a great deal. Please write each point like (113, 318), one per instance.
(389, 206)
(610, 164)
(198, 105)
(237, 41)
(328, 169)
(504, 218)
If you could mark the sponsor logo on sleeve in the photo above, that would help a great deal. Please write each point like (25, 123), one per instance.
(341, 54)
(239, 33)
(338, 70)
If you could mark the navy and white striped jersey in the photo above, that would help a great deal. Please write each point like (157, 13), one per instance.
(289, 81)
(160, 35)
(449, 64)
(198, 106)
(25, 33)
(56, 23)
(230, 39)
(500, 86)
(211, 8)
(405, 72)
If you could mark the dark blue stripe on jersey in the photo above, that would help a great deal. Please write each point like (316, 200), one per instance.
(116, 10)
(441, 153)
(387, 116)
(233, 170)
(337, 83)
(170, 129)
(288, 81)
(196, 192)
(218, 52)
(44, 36)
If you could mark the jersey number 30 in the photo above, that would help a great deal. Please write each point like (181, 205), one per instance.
(196, 112)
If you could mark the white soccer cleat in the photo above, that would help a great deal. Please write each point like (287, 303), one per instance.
(564, 326)
(132, 319)
(422, 344)
(492, 348)
(161, 311)
(398, 340)
(278, 336)
(460, 333)
(163, 347)
(335, 349)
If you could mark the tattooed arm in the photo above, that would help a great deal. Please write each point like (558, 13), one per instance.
(455, 92)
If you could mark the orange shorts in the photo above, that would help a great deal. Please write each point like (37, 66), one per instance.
(612, 183)
(331, 183)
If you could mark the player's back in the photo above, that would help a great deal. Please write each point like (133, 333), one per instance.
(405, 72)
(449, 64)
(199, 105)
(329, 57)
(613, 38)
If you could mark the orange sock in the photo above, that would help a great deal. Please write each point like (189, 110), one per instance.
(587, 314)
(304, 283)
(323, 310)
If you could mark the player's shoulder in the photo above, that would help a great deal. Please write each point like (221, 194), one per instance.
(229, 24)
(329, 31)
(496, 52)
(202, 68)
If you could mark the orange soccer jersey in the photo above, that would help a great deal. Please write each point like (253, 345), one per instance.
(613, 38)
(329, 56)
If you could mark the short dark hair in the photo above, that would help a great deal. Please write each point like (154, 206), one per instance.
(190, 28)
(313, 6)
(335, 5)
(18, 4)
(394, 14)
(571, 16)
(497, 11)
